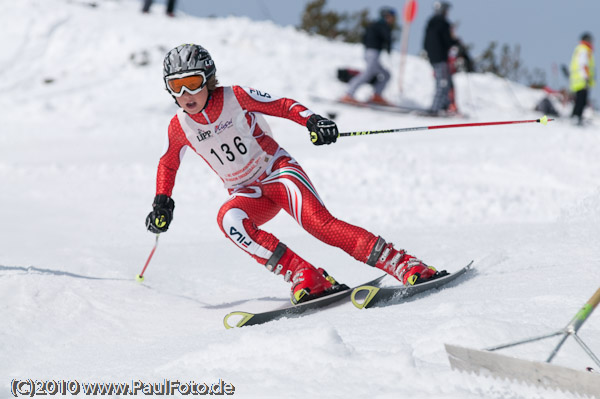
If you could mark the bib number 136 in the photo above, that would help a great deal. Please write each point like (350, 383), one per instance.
(227, 150)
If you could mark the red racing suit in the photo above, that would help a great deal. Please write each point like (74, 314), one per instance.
(231, 135)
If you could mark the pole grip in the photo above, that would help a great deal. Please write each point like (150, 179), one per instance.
(595, 299)
(584, 312)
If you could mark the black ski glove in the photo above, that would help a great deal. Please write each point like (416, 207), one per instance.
(159, 219)
(322, 131)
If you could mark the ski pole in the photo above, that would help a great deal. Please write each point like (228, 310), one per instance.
(575, 324)
(570, 330)
(140, 277)
(544, 120)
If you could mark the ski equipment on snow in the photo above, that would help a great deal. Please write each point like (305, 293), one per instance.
(250, 319)
(368, 296)
(404, 267)
(543, 374)
(140, 277)
(308, 282)
(308, 279)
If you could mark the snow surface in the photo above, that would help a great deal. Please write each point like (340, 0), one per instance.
(83, 121)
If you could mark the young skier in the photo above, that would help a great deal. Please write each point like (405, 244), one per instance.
(225, 127)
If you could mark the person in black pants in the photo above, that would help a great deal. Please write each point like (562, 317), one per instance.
(170, 7)
(582, 75)
(437, 44)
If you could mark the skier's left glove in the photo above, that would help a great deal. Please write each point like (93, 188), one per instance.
(159, 219)
(322, 131)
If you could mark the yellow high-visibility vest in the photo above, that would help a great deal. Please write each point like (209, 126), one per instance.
(577, 77)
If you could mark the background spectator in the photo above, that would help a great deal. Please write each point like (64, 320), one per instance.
(437, 44)
(582, 74)
(377, 37)
(170, 7)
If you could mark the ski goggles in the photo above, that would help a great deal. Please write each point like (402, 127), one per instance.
(192, 82)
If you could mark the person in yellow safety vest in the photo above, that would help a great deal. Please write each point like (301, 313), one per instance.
(582, 74)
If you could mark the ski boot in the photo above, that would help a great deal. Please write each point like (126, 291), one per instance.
(402, 266)
(378, 100)
(308, 282)
(348, 99)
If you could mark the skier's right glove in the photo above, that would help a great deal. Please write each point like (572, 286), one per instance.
(159, 219)
(322, 131)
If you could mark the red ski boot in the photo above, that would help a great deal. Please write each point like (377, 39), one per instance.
(404, 267)
(307, 282)
(378, 100)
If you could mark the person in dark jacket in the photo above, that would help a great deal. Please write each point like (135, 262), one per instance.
(377, 37)
(437, 44)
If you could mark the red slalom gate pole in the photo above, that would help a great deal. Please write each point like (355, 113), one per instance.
(410, 11)
(140, 277)
(544, 120)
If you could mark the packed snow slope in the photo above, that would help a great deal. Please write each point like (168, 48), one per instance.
(83, 121)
